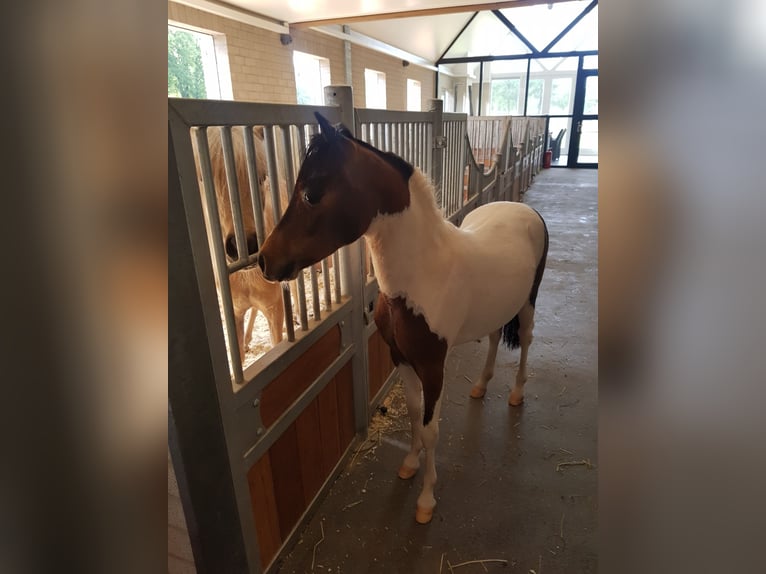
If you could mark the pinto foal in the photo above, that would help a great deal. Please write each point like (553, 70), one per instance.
(440, 285)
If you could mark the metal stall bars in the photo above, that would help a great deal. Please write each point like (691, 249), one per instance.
(455, 179)
(256, 427)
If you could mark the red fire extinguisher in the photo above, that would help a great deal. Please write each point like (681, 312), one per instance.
(547, 159)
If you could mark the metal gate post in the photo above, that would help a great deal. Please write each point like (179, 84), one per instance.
(353, 280)
(213, 488)
(436, 108)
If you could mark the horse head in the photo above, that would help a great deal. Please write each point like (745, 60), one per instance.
(343, 183)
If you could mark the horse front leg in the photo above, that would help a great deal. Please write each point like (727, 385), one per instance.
(412, 393)
(432, 378)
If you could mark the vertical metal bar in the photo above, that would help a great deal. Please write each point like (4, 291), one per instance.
(449, 184)
(336, 274)
(219, 259)
(199, 383)
(368, 254)
(421, 154)
(526, 89)
(481, 85)
(411, 143)
(437, 155)
(302, 139)
(326, 281)
(415, 150)
(463, 163)
(302, 311)
(397, 138)
(379, 139)
(287, 302)
(287, 141)
(230, 167)
(255, 186)
(315, 293)
(271, 159)
(394, 138)
(352, 264)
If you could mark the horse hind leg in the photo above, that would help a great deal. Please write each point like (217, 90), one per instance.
(411, 382)
(526, 324)
(480, 387)
(239, 328)
(275, 317)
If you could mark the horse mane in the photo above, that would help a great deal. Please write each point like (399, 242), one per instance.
(319, 143)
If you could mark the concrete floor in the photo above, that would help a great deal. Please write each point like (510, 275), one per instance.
(499, 494)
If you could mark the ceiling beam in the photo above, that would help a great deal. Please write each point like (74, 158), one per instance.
(363, 40)
(469, 59)
(424, 12)
(571, 25)
(514, 30)
(238, 14)
(444, 53)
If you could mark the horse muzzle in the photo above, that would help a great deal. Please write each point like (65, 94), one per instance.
(276, 271)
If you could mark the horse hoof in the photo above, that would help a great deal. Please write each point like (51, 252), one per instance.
(477, 393)
(515, 401)
(406, 473)
(424, 515)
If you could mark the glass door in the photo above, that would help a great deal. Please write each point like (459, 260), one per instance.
(583, 147)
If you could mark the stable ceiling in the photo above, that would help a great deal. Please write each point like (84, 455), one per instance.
(424, 28)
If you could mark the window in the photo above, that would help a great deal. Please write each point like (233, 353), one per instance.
(312, 74)
(504, 97)
(198, 66)
(375, 89)
(591, 95)
(561, 96)
(413, 96)
(449, 100)
(535, 97)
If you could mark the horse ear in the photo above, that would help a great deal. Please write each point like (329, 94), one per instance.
(325, 128)
(344, 131)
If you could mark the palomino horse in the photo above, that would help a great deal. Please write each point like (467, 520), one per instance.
(248, 287)
(440, 285)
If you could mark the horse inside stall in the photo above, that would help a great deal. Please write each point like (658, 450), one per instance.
(440, 285)
(248, 287)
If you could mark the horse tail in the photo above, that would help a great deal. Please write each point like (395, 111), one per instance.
(540, 264)
(511, 328)
(511, 333)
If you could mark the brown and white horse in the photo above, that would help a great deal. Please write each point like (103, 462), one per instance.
(440, 285)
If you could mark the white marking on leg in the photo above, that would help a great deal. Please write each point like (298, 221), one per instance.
(430, 437)
(526, 324)
(413, 396)
(480, 387)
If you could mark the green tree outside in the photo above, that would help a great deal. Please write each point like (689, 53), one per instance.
(186, 78)
(504, 96)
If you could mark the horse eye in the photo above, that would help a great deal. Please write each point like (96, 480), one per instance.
(310, 199)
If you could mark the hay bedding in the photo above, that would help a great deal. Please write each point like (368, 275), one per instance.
(260, 342)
